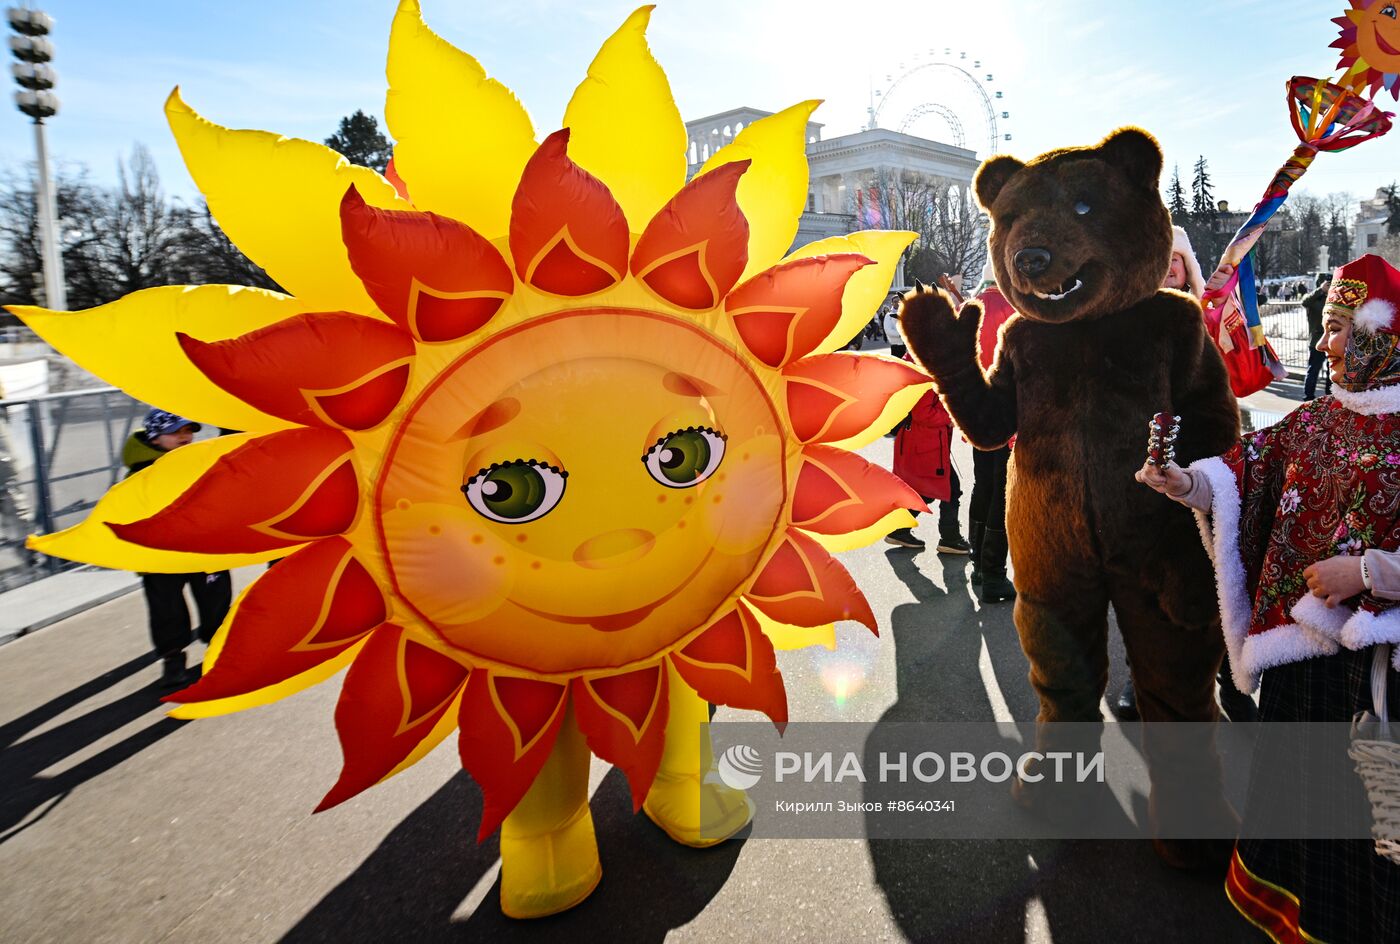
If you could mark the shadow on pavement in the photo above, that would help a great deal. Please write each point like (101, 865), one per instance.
(1004, 890)
(25, 789)
(409, 888)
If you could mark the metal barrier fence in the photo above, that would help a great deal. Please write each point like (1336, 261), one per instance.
(1286, 326)
(59, 453)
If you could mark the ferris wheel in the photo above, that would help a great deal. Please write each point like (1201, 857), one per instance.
(946, 96)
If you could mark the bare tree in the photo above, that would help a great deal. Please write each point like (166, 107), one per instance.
(952, 231)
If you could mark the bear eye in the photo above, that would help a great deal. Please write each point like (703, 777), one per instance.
(515, 492)
(1081, 208)
(686, 457)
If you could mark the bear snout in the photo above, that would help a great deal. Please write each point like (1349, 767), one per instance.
(1032, 261)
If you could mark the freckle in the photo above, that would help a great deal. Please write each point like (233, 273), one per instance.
(744, 457)
(498, 560)
(403, 504)
(535, 565)
(521, 539)
(661, 499)
(680, 524)
(434, 529)
(718, 499)
(477, 539)
(720, 477)
(690, 499)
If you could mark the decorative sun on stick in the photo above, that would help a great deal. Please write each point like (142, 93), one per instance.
(1370, 45)
(553, 443)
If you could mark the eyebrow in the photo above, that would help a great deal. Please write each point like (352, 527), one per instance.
(494, 417)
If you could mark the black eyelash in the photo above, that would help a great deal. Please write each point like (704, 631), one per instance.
(677, 432)
(535, 463)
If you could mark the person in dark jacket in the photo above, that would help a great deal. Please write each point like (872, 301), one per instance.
(165, 593)
(1313, 306)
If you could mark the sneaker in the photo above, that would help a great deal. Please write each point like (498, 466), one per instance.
(953, 544)
(904, 537)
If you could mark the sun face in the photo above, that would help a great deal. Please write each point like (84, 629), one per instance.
(1370, 45)
(543, 431)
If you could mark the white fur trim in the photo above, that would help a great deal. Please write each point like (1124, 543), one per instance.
(1181, 243)
(1282, 645)
(1374, 315)
(1366, 628)
(1220, 533)
(1312, 613)
(1369, 402)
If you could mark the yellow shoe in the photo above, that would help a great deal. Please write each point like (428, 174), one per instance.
(695, 812)
(547, 873)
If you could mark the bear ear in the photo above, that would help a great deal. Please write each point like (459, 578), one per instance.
(1136, 153)
(992, 176)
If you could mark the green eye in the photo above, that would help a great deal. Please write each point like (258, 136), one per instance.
(515, 492)
(686, 457)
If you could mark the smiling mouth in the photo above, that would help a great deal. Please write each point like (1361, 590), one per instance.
(613, 622)
(1386, 48)
(1067, 288)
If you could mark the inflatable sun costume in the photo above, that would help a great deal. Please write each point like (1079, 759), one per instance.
(552, 443)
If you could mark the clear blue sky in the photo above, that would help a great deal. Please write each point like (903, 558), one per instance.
(1205, 77)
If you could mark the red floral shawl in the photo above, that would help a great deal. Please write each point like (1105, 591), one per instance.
(1323, 481)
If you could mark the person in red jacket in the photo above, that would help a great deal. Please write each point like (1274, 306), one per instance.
(923, 458)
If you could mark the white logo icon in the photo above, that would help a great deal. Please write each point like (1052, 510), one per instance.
(740, 767)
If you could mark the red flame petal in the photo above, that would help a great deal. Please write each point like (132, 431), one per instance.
(832, 397)
(624, 719)
(785, 312)
(803, 585)
(283, 625)
(274, 491)
(568, 236)
(395, 693)
(404, 257)
(838, 492)
(508, 727)
(732, 663)
(696, 247)
(330, 369)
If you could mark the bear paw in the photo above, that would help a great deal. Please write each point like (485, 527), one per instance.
(941, 340)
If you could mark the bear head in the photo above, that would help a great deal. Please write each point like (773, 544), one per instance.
(1078, 233)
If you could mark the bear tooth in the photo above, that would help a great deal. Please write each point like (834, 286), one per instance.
(1054, 298)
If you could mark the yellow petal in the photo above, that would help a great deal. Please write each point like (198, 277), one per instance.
(773, 191)
(278, 199)
(869, 286)
(624, 125)
(265, 696)
(895, 410)
(130, 343)
(139, 497)
(461, 138)
(899, 518)
(785, 637)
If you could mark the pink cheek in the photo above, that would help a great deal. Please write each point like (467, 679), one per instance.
(448, 566)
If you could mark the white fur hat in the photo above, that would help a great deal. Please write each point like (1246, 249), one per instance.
(1181, 246)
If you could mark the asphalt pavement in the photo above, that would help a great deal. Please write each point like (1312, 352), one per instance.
(120, 824)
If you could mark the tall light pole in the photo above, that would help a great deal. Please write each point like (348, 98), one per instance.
(36, 78)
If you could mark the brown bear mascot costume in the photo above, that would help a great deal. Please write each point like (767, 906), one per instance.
(1081, 241)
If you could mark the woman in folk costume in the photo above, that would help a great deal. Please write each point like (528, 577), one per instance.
(1302, 520)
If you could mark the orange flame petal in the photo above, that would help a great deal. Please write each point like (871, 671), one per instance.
(838, 492)
(624, 719)
(311, 606)
(696, 247)
(803, 585)
(332, 369)
(508, 727)
(274, 491)
(785, 312)
(391, 174)
(394, 694)
(568, 236)
(832, 397)
(732, 663)
(434, 276)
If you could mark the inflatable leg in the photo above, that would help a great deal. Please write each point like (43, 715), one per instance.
(686, 799)
(549, 857)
